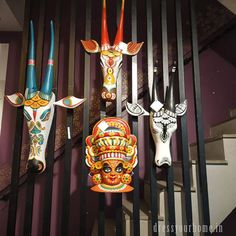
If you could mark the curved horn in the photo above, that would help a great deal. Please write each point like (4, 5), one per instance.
(48, 81)
(169, 99)
(31, 85)
(104, 32)
(119, 34)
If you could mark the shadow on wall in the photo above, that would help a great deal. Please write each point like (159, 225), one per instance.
(228, 225)
(218, 86)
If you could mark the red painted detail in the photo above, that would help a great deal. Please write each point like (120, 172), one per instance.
(34, 114)
(104, 33)
(31, 62)
(119, 34)
(50, 62)
(110, 62)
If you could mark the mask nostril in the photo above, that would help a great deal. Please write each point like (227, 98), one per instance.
(35, 166)
(165, 166)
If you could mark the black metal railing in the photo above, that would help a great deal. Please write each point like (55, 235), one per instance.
(83, 218)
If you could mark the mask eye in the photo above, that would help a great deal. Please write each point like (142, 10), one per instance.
(27, 116)
(106, 168)
(119, 169)
(46, 114)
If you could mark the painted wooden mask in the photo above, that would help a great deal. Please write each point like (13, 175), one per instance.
(111, 55)
(163, 122)
(111, 155)
(39, 105)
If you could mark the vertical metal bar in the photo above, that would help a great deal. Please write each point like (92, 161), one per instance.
(118, 196)
(40, 46)
(49, 179)
(12, 210)
(67, 175)
(164, 38)
(83, 193)
(71, 69)
(199, 121)
(51, 140)
(184, 134)
(171, 200)
(31, 176)
(119, 77)
(119, 212)
(136, 193)
(101, 214)
(101, 196)
(68, 145)
(170, 184)
(153, 176)
(149, 47)
(29, 204)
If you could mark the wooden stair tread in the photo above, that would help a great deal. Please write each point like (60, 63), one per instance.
(213, 139)
(225, 121)
(145, 213)
(212, 162)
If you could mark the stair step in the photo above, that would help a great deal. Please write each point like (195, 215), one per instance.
(145, 218)
(233, 113)
(178, 174)
(226, 127)
(214, 147)
(145, 213)
(213, 162)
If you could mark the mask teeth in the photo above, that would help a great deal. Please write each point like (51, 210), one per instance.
(112, 155)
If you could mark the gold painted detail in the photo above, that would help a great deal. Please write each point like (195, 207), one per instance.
(36, 102)
(109, 79)
(111, 53)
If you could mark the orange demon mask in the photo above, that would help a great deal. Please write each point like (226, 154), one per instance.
(111, 155)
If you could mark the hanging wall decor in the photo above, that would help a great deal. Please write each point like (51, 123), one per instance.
(163, 121)
(111, 55)
(39, 105)
(111, 155)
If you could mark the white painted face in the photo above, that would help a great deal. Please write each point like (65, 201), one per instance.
(162, 124)
(111, 62)
(39, 115)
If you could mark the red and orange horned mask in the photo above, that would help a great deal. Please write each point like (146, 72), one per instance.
(111, 55)
(111, 154)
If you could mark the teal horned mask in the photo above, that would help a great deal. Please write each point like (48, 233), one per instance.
(39, 105)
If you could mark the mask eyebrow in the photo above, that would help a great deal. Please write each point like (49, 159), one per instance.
(45, 113)
(27, 115)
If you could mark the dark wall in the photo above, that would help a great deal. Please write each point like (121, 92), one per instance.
(218, 84)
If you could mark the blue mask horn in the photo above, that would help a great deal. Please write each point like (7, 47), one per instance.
(46, 89)
(169, 99)
(31, 86)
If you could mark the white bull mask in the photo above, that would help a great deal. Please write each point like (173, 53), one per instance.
(39, 105)
(163, 122)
